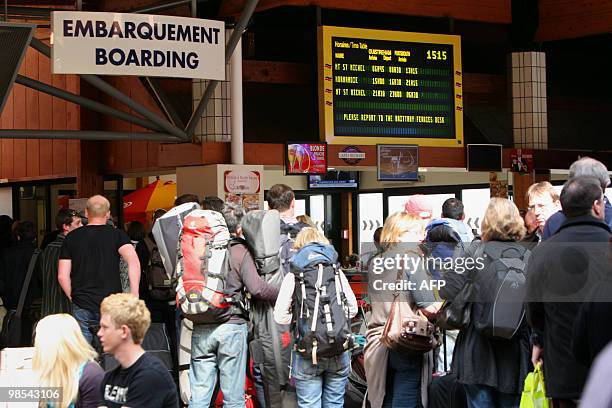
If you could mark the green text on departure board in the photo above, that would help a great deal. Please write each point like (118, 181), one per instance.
(378, 88)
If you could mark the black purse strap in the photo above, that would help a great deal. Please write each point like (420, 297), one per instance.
(26, 283)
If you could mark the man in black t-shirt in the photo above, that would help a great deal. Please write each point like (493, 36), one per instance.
(88, 268)
(141, 379)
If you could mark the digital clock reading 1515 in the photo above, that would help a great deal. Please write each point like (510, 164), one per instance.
(390, 87)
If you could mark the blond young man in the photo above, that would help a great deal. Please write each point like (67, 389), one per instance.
(141, 379)
(88, 269)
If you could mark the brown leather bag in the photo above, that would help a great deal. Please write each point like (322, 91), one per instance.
(407, 331)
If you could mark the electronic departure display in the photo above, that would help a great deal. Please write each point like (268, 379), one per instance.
(390, 87)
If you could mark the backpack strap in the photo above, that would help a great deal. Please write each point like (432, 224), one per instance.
(315, 315)
(26, 283)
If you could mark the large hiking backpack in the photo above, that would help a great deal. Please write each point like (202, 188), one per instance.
(261, 230)
(504, 282)
(321, 312)
(202, 268)
(166, 232)
(272, 342)
(159, 283)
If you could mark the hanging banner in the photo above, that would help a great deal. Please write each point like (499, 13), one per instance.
(137, 44)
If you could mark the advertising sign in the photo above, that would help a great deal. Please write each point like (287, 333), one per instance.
(306, 158)
(137, 44)
(242, 188)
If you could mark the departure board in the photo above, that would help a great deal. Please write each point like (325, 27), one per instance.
(390, 87)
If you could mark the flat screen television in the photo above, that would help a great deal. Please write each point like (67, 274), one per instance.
(484, 157)
(333, 179)
(397, 162)
(305, 158)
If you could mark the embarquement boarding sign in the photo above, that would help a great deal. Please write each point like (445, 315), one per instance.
(390, 87)
(137, 44)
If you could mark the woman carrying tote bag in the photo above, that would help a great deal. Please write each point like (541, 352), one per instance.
(399, 379)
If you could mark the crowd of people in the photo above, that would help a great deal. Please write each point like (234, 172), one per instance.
(292, 334)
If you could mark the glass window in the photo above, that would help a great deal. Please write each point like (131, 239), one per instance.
(396, 203)
(317, 210)
(475, 202)
(370, 216)
(300, 207)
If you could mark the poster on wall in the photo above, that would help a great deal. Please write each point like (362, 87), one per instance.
(499, 188)
(522, 160)
(242, 188)
(397, 162)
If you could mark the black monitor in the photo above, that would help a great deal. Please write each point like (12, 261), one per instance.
(333, 179)
(484, 157)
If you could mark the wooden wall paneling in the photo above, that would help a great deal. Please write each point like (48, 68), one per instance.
(32, 115)
(563, 19)
(45, 112)
(7, 144)
(19, 145)
(59, 123)
(73, 122)
(493, 11)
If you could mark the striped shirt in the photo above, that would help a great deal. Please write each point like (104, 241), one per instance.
(54, 299)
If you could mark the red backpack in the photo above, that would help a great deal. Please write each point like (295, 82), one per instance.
(203, 267)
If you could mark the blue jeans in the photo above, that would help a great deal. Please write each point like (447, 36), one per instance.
(488, 397)
(403, 381)
(320, 385)
(85, 318)
(220, 347)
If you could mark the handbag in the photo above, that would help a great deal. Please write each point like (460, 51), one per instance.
(406, 331)
(455, 314)
(534, 392)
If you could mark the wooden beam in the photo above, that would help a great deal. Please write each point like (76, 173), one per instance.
(276, 72)
(562, 19)
(492, 11)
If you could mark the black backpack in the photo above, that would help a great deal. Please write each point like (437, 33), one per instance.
(322, 323)
(504, 282)
(159, 284)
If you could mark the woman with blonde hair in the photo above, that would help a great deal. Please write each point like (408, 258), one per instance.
(398, 379)
(64, 359)
(319, 366)
(491, 369)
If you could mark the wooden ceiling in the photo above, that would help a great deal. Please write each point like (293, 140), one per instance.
(491, 11)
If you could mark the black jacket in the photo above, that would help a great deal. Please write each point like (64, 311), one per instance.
(14, 261)
(562, 272)
(480, 360)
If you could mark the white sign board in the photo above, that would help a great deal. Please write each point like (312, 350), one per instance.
(137, 44)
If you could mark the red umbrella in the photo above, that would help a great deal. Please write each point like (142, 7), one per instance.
(139, 204)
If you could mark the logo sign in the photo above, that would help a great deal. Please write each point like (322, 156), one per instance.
(137, 44)
(351, 155)
(242, 181)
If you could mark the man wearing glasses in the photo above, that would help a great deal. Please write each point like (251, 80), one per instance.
(54, 299)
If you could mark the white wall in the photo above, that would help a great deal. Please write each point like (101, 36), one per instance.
(368, 181)
(6, 201)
